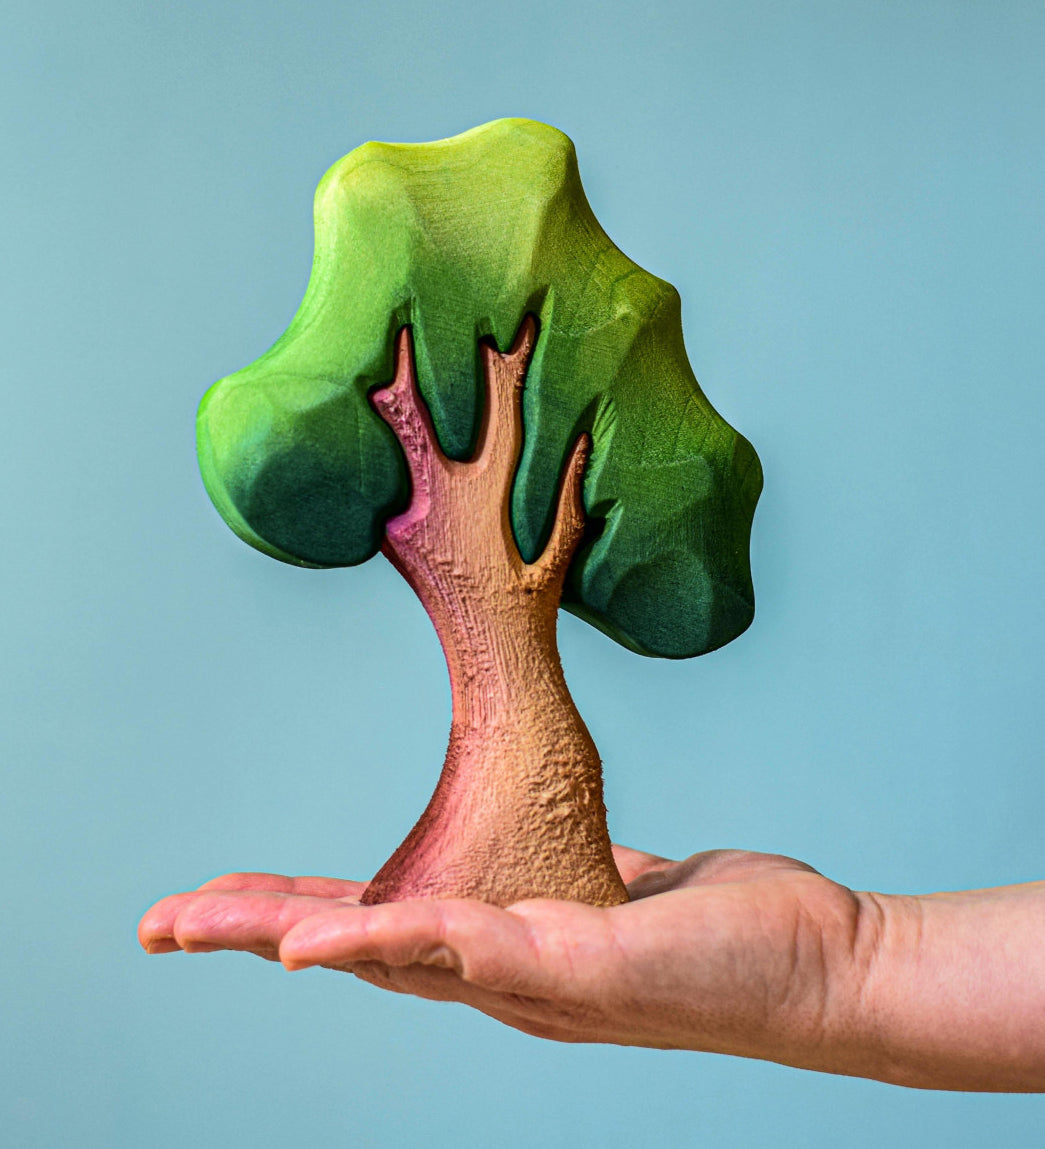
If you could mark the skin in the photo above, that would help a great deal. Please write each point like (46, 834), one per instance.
(756, 955)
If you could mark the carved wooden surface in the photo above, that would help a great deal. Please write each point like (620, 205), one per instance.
(518, 812)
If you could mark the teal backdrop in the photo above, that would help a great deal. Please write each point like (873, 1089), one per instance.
(850, 198)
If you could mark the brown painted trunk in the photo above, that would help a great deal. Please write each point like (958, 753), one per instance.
(518, 811)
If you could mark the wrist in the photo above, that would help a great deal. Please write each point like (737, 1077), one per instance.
(947, 991)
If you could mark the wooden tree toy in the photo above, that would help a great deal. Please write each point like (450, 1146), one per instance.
(480, 385)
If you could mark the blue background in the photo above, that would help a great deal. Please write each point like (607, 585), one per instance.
(850, 198)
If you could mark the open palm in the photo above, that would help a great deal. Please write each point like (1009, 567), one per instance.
(728, 950)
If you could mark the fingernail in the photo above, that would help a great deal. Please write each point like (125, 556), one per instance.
(292, 966)
(161, 946)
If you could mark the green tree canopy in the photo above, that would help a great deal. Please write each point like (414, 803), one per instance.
(459, 239)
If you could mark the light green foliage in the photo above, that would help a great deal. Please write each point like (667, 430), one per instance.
(460, 239)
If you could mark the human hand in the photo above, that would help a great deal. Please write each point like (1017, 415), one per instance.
(724, 951)
(728, 951)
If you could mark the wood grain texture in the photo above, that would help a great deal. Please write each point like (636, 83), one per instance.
(518, 811)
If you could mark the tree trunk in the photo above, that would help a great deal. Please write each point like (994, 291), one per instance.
(518, 811)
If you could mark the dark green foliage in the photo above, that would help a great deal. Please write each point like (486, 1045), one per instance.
(460, 239)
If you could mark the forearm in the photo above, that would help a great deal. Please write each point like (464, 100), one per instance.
(947, 991)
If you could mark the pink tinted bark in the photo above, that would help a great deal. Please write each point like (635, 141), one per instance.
(518, 811)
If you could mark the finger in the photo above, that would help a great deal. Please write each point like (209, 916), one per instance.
(160, 946)
(534, 1016)
(631, 863)
(712, 867)
(418, 980)
(156, 929)
(436, 984)
(250, 920)
(483, 944)
(279, 883)
(547, 973)
(444, 985)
